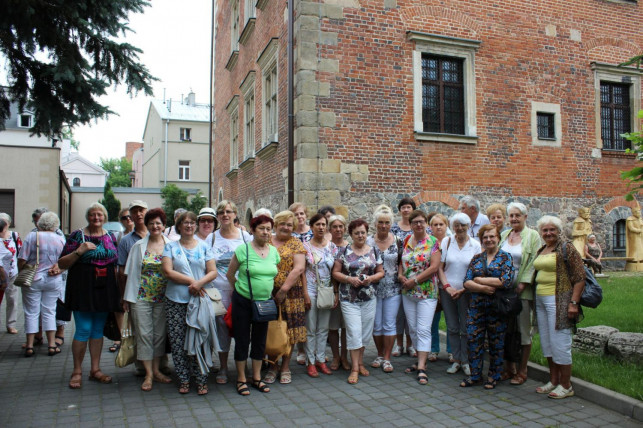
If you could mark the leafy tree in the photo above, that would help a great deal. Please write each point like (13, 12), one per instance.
(118, 170)
(174, 197)
(62, 55)
(111, 204)
(635, 175)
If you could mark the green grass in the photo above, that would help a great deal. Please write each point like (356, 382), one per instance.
(621, 309)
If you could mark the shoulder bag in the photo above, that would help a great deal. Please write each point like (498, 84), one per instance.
(592, 293)
(262, 310)
(325, 292)
(127, 352)
(505, 302)
(27, 273)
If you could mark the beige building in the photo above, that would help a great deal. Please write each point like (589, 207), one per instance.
(175, 145)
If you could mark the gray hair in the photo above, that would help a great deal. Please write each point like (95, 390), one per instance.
(96, 206)
(6, 217)
(550, 219)
(262, 211)
(470, 201)
(517, 205)
(39, 211)
(383, 211)
(224, 203)
(49, 222)
(3, 223)
(461, 218)
(178, 212)
(337, 217)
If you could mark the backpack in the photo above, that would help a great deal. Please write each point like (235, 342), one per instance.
(593, 293)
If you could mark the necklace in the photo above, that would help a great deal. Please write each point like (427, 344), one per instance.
(260, 250)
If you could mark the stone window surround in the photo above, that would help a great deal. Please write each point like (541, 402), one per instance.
(247, 88)
(539, 107)
(452, 47)
(234, 25)
(233, 111)
(611, 73)
(268, 61)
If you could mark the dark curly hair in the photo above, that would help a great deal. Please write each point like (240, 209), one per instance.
(155, 213)
(357, 223)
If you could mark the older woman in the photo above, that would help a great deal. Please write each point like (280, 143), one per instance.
(289, 291)
(488, 271)
(497, 214)
(457, 252)
(419, 264)
(39, 301)
(358, 267)
(189, 266)
(206, 224)
(92, 292)
(145, 295)
(319, 263)
(559, 282)
(301, 229)
(257, 261)
(12, 243)
(388, 290)
(593, 253)
(224, 243)
(337, 226)
(438, 224)
(402, 229)
(522, 243)
(171, 232)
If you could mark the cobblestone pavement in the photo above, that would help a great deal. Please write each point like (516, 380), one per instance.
(34, 392)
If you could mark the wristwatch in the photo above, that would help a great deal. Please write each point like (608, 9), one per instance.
(574, 302)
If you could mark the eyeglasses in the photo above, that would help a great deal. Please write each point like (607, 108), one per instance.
(418, 222)
(125, 218)
(228, 212)
(206, 220)
(189, 223)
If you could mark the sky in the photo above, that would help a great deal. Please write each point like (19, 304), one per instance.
(175, 39)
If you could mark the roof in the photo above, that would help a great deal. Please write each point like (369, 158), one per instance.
(193, 113)
(75, 157)
(144, 190)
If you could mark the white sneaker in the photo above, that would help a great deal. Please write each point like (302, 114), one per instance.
(561, 392)
(412, 352)
(466, 368)
(455, 367)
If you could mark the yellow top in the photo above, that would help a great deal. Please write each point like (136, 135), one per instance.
(546, 277)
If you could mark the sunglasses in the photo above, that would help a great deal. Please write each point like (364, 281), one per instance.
(125, 218)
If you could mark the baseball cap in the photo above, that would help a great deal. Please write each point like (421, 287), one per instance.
(137, 203)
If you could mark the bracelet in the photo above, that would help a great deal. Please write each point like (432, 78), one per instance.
(574, 302)
(445, 286)
(416, 280)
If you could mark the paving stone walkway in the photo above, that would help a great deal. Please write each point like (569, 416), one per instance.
(34, 393)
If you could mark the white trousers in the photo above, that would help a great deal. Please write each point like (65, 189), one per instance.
(419, 316)
(39, 301)
(11, 294)
(386, 316)
(358, 318)
(316, 332)
(555, 344)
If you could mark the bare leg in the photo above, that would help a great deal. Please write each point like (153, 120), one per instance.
(95, 349)
(51, 340)
(285, 364)
(344, 351)
(30, 339)
(333, 340)
(524, 359)
(422, 357)
(388, 342)
(78, 350)
(565, 375)
(223, 359)
(241, 370)
(379, 345)
(554, 376)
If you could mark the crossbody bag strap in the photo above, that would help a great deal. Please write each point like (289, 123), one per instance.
(186, 259)
(37, 249)
(248, 269)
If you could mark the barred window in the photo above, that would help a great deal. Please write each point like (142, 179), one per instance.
(442, 94)
(619, 235)
(615, 115)
(546, 129)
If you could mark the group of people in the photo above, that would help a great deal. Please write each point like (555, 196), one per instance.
(394, 279)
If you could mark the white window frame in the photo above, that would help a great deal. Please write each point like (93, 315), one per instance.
(464, 49)
(185, 134)
(21, 116)
(538, 107)
(234, 26)
(615, 74)
(249, 11)
(184, 169)
(249, 125)
(268, 63)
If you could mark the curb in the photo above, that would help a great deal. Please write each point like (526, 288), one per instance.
(604, 397)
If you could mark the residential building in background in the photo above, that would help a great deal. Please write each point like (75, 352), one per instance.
(175, 145)
(429, 99)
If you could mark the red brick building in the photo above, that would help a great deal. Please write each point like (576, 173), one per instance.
(430, 99)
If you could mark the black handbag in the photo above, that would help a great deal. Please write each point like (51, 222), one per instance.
(110, 329)
(505, 302)
(262, 310)
(62, 313)
(592, 293)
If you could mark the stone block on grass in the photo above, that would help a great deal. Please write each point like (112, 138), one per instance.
(593, 340)
(626, 346)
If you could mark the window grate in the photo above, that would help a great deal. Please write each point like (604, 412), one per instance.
(545, 124)
(615, 115)
(442, 94)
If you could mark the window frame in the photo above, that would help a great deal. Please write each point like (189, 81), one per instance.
(185, 134)
(550, 109)
(185, 169)
(233, 112)
(247, 88)
(450, 47)
(235, 22)
(619, 230)
(25, 115)
(74, 181)
(269, 64)
(10, 206)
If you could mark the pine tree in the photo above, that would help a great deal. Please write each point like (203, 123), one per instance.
(111, 204)
(62, 55)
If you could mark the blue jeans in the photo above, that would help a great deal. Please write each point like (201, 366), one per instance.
(435, 334)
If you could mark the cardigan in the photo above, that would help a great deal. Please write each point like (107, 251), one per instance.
(133, 268)
(529, 244)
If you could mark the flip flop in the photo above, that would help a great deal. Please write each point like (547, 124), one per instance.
(147, 385)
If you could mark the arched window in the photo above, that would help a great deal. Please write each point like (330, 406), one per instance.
(76, 182)
(618, 234)
(220, 195)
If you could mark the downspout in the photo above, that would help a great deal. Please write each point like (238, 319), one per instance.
(167, 121)
(291, 117)
(211, 104)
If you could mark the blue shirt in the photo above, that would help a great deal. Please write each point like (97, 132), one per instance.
(197, 258)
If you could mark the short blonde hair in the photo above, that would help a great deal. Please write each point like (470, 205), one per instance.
(337, 217)
(497, 207)
(441, 217)
(295, 205)
(96, 206)
(383, 211)
(283, 217)
(224, 203)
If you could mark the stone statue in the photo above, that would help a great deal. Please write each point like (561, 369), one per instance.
(582, 227)
(634, 240)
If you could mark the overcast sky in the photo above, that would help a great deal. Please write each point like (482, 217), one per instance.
(175, 39)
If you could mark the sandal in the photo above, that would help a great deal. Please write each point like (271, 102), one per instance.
(518, 379)
(546, 388)
(301, 359)
(184, 387)
(29, 352)
(285, 378)
(242, 388)
(147, 385)
(363, 371)
(467, 382)
(270, 377)
(260, 385)
(222, 377)
(433, 357)
(37, 341)
(411, 369)
(345, 365)
(162, 379)
(560, 392)
(353, 378)
(76, 381)
(53, 350)
(377, 362)
(202, 389)
(490, 384)
(387, 367)
(334, 365)
(115, 347)
(100, 377)
(507, 375)
(422, 378)
(62, 341)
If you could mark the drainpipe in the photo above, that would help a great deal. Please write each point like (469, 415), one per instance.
(167, 121)
(211, 104)
(291, 117)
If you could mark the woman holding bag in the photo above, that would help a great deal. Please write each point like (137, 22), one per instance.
(256, 262)
(145, 296)
(319, 263)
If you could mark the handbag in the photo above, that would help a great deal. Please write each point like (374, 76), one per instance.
(217, 303)
(277, 343)
(592, 293)
(127, 352)
(27, 273)
(325, 293)
(505, 302)
(264, 310)
(62, 313)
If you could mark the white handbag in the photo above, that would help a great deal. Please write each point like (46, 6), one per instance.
(217, 303)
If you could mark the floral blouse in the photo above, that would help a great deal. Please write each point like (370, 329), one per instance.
(501, 267)
(324, 259)
(416, 260)
(153, 282)
(389, 285)
(355, 265)
(304, 237)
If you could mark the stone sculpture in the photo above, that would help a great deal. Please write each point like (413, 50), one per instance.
(582, 227)
(634, 241)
